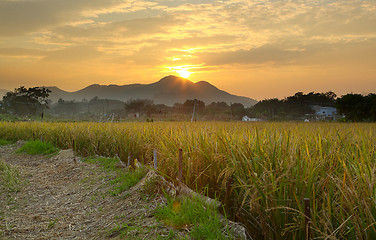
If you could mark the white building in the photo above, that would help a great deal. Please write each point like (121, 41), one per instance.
(248, 119)
(325, 112)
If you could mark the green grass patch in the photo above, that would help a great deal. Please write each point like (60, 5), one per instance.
(4, 142)
(192, 213)
(172, 236)
(38, 147)
(124, 179)
(122, 230)
(107, 163)
(10, 178)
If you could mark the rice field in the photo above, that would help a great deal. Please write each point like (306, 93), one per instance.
(273, 166)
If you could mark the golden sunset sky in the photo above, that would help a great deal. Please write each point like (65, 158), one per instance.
(258, 49)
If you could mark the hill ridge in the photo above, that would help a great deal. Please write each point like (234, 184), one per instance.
(168, 90)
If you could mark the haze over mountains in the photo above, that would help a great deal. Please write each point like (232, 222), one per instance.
(168, 90)
(2, 93)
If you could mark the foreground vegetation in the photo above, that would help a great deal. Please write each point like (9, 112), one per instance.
(274, 166)
(10, 178)
(124, 179)
(38, 147)
(192, 213)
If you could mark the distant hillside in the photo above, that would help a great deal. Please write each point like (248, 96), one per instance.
(2, 93)
(168, 90)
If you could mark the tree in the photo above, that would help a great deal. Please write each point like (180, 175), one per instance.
(371, 101)
(188, 106)
(140, 106)
(66, 107)
(26, 101)
(267, 109)
(237, 109)
(293, 107)
(357, 107)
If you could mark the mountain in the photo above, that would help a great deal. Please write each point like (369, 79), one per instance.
(168, 90)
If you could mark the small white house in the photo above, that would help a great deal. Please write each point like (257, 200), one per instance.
(248, 119)
(325, 112)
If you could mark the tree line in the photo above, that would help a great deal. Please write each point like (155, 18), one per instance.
(296, 107)
(35, 101)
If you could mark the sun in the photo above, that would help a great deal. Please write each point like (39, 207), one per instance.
(183, 73)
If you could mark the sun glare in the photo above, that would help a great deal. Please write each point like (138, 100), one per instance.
(183, 73)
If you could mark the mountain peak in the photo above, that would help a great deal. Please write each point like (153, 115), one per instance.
(173, 79)
(204, 83)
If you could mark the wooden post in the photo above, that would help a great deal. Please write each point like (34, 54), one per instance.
(97, 150)
(129, 160)
(132, 160)
(74, 150)
(194, 109)
(307, 212)
(180, 174)
(155, 159)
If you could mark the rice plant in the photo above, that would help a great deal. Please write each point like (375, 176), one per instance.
(274, 166)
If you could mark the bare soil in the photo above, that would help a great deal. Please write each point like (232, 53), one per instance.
(66, 199)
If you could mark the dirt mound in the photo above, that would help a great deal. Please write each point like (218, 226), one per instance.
(67, 155)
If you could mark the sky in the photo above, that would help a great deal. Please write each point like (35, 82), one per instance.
(253, 48)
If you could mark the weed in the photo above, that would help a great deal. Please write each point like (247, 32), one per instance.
(4, 142)
(124, 230)
(126, 180)
(10, 177)
(123, 180)
(52, 223)
(171, 236)
(38, 147)
(107, 163)
(191, 213)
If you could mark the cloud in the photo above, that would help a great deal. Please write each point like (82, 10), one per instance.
(264, 54)
(22, 17)
(183, 49)
(73, 54)
(109, 34)
(16, 52)
(296, 53)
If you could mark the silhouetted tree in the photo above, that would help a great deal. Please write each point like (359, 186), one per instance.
(66, 107)
(189, 104)
(292, 107)
(237, 110)
(267, 108)
(357, 107)
(140, 106)
(23, 101)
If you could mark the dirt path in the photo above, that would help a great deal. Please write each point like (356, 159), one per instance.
(64, 199)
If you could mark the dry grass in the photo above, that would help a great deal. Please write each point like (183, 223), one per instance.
(67, 199)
